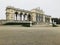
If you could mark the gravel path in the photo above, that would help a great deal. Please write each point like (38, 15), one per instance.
(16, 35)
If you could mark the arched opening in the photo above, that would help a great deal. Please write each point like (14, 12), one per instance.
(21, 16)
(37, 17)
(25, 17)
(16, 13)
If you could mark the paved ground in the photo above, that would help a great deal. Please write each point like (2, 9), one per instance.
(16, 35)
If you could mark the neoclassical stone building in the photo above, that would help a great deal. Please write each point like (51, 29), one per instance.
(35, 15)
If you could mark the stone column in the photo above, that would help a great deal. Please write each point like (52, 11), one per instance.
(26, 17)
(23, 16)
(50, 20)
(20, 17)
(39, 18)
(16, 16)
(43, 18)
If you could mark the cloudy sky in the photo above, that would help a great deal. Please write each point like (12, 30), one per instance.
(50, 7)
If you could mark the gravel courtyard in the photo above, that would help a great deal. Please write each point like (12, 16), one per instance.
(16, 35)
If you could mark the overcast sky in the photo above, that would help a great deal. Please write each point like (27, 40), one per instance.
(50, 7)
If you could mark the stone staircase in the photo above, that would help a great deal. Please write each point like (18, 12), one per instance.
(42, 25)
(36, 25)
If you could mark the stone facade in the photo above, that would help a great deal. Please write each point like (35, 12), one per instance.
(35, 15)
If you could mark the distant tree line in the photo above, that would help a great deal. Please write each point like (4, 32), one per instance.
(57, 20)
